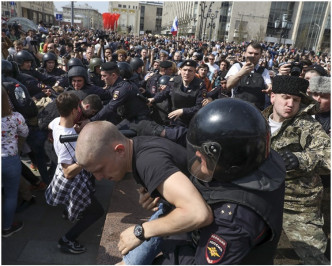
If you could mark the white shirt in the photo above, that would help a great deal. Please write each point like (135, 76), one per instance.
(275, 126)
(64, 156)
(237, 67)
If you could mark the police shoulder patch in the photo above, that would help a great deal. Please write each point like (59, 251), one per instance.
(215, 249)
(116, 95)
(171, 79)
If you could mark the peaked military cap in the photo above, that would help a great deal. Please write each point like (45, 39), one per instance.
(109, 66)
(165, 64)
(188, 62)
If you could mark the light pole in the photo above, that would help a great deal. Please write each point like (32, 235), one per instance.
(212, 25)
(285, 27)
(207, 16)
(318, 32)
(203, 7)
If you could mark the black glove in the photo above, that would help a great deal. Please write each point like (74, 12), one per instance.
(290, 160)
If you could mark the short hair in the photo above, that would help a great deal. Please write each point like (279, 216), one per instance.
(18, 42)
(66, 102)
(70, 45)
(95, 105)
(255, 45)
(6, 109)
(203, 66)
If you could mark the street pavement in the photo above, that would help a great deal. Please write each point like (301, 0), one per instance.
(36, 243)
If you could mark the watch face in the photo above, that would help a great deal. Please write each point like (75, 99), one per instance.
(138, 231)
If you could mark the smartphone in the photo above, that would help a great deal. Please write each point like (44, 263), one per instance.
(250, 59)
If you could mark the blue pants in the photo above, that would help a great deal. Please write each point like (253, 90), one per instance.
(145, 253)
(35, 140)
(11, 174)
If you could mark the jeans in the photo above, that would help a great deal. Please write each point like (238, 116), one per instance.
(35, 140)
(145, 253)
(11, 174)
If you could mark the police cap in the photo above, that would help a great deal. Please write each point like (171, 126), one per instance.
(165, 64)
(188, 62)
(109, 66)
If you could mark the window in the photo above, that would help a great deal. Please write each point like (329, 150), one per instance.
(159, 11)
(128, 6)
(124, 6)
(119, 5)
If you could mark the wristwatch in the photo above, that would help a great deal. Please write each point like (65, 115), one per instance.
(139, 232)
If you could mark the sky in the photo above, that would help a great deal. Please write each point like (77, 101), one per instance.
(102, 6)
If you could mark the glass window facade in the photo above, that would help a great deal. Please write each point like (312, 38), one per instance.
(276, 12)
(310, 24)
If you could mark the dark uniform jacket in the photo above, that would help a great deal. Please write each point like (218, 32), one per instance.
(45, 78)
(124, 94)
(247, 220)
(189, 99)
(95, 79)
(55, 72)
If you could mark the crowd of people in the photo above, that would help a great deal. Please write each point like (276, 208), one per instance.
(217, 133)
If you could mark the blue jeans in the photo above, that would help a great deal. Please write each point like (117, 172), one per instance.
(11, 174)
(145, 253)
(35, 140)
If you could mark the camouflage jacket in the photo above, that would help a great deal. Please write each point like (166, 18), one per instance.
(305, 137)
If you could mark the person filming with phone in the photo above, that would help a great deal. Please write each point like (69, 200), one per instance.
(248, 80)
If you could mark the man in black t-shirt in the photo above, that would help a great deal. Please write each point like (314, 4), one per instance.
(158, 164)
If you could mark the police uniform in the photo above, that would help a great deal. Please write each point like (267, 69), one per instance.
(187, 98)
(124, 95)
(55, 71)
(45, 78)
(95, 79)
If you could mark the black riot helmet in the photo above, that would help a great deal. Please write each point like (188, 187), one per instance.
(163, 80)
(49, 57)
(226, 140)
(94, 62)
(125, 69)
(74, 62)
(136, 63)
(78, 71)
(23, 56)
(9, 68)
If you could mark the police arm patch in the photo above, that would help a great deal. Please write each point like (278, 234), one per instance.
(116, 95)
(215, 249)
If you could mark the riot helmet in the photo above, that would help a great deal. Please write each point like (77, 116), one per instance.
(9, 68)
(125, 69)
(49, 57)
(78, 71)
(93, 63)
(226, 140)
(136, 63)
(74, 62)
(23, 56)
(163, 80)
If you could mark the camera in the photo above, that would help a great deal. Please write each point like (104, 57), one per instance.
(295, 68)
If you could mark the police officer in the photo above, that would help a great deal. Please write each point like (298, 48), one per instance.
(186, 92)
(11, 73)
(124, 95)
(25, 61)
(63, 80)
(50, 65)
(242, 180)
(78, 78)
(151, 84)
(94, 72)
(136, 63)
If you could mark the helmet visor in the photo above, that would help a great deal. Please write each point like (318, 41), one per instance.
(202, 161)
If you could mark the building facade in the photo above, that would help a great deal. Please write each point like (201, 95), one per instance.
(35, 11)
(138, 17)
(84, 15)
(304, 24)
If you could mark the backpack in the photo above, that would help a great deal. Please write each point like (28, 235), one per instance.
(21, 99)
(250, 88)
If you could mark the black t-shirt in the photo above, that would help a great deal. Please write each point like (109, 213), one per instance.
(155, 159)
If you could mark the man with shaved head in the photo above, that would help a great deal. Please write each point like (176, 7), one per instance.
(158, 164)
